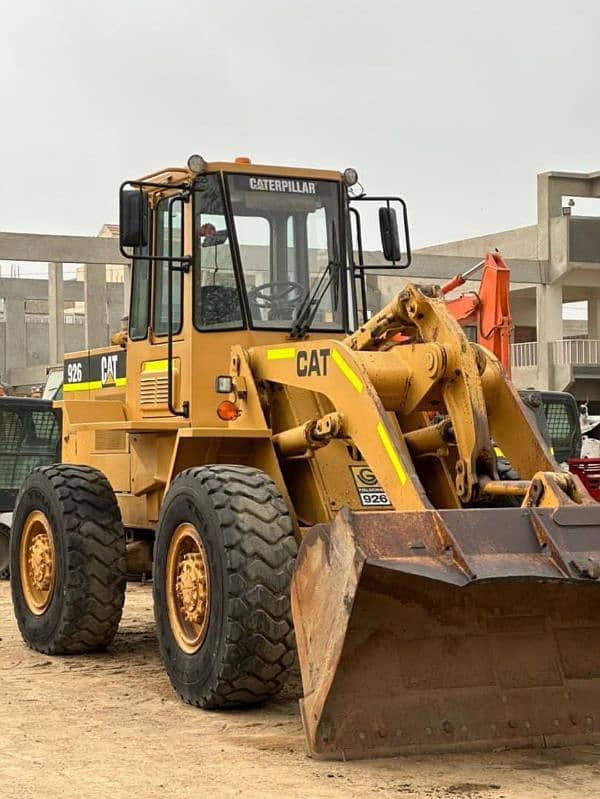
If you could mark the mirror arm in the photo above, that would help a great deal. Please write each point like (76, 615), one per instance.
(359, 272)
(361, 266)
(150, 184)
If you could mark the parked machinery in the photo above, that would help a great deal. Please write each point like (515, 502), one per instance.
(273, 447)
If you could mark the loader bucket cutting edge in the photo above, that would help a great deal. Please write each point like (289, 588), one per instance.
(435, 631)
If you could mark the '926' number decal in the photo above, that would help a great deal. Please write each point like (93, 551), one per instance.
(374, 498)
(74, 372)
(370, 493)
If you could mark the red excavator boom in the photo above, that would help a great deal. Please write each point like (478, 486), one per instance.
(487, 308)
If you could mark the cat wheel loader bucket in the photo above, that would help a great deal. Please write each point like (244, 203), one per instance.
(432, 631)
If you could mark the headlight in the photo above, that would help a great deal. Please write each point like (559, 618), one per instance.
(223, 384)
(350, 176)
(196, 164)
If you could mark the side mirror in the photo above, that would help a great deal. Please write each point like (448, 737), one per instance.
(132, 218)
(218, 237)
(390, 237)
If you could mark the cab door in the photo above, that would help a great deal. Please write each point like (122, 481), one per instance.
(158, 329)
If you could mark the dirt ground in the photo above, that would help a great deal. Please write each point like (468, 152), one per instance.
(110, 725)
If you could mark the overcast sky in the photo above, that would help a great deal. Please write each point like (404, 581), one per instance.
(454, 105)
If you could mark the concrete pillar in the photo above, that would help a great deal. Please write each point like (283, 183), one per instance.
(96, 325)
(549, 328)
(543, 208)
(593, 317)
(56, 313)
(551, 187)
(16, 335)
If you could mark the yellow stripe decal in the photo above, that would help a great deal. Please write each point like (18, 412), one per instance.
(94, 385)
(281, 354)
(90, 386)
(155, 366)
(392, 454)
(347, 371)
(499, 453)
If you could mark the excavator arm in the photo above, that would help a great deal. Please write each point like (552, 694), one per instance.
(488, 308)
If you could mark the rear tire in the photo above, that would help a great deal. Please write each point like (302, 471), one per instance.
(4, 551)
(67, 560)
(221, 600)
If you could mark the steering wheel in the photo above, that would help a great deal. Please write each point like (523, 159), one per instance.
(277, 295)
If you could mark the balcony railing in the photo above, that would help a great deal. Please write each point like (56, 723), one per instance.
(576, 352)
(566, 352)
(524, 355)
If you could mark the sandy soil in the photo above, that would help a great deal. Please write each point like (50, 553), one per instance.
(109, 725)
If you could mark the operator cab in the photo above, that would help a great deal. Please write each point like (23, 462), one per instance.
(287, 234)
(267, 249)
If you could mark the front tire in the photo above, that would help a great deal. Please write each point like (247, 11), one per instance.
(4, 551)
(223, 562)
(67, 560)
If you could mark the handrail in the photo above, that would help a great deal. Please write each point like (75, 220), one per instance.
(575, 352)
(563, 352)
(524, 355)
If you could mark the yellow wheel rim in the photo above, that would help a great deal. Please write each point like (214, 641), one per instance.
(188, 588)
(37, 563)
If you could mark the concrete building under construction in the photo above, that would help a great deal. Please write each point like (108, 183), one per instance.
(554, 262)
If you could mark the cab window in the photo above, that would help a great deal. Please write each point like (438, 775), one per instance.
(216, 296)
(288, 231)
(139, 306)
(161, 268)
(139, 310)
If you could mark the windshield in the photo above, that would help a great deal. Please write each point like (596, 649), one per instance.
(53, 387)
(288, 232)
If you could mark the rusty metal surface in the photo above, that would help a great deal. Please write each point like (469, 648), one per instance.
(441, 630)
(505, 488)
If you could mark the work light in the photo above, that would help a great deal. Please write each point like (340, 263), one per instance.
(350, 176)
(196, 164)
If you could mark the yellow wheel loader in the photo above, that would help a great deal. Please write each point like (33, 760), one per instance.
(298, 473)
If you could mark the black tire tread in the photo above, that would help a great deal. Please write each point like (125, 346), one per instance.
(5, 532)
(94, 588)
(260, 551)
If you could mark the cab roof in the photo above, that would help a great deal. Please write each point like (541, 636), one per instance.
(183, 174)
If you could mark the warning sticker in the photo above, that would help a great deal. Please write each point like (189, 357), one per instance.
(370, 492)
